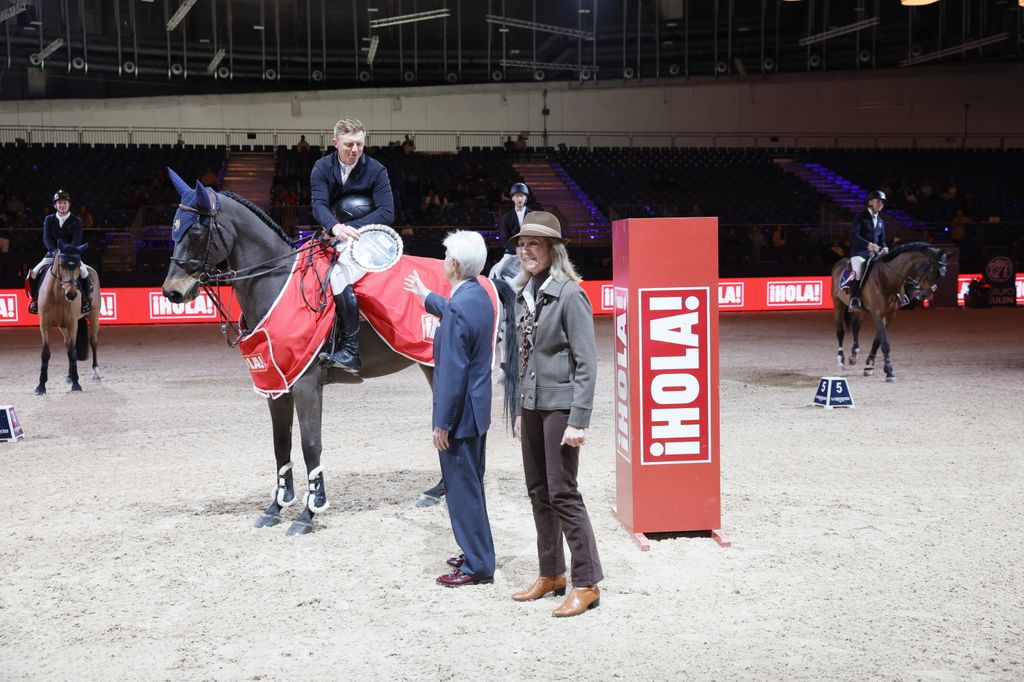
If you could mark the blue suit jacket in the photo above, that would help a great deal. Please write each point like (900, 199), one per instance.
(862, 233)
(70, 233)
(462, 360)
(368, 178)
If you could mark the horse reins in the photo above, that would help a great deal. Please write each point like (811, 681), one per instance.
(209, 277)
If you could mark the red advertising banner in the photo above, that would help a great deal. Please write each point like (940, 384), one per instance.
(148, 306)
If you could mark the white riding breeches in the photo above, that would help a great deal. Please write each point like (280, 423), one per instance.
(345, 271)
(857, 264)
(48, 261)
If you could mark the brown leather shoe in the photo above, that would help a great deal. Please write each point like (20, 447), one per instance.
(541, 586)
(579, 600)
(459, 579)
(456, 561)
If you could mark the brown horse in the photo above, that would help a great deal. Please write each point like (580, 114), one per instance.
(910, 271)
(60, 306)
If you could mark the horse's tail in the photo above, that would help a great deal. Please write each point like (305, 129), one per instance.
(510, 356)
(82, 340)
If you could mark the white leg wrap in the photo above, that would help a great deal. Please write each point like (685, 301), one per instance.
(280, 486)
(310, 495)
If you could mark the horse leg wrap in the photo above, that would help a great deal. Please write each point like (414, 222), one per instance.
(316, 498)
(285, 491)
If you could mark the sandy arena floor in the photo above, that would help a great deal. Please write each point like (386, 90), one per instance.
(883, 542)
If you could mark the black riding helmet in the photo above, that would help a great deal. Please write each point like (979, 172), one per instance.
(877, 194)
(61, 194)
(519, 187)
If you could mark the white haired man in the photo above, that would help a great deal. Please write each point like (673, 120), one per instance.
(462, 401)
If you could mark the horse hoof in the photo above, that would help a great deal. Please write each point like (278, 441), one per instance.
(76, 388)
(868, 371)
(427, 501)
(40, 390)
(268, 520)
(300, 528)
(890, 380)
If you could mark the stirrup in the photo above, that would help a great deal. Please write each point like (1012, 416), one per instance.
(855, 303)
(33, 307)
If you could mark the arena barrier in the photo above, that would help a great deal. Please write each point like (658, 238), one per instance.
(142, 305)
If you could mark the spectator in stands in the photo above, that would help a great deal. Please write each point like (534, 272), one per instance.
(349, 175)
(926, 189)
(837, 250)
(950, 192)
(88, 222)
(23, 270)
(408, 145)
(867, 240)
(493, 194)
(15, 207)
(209, 178)
(302, 147)
(65, 227)
(510, 146)
(522, 148)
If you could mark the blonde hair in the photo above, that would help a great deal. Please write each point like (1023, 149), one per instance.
(347, 126)
(561, 268)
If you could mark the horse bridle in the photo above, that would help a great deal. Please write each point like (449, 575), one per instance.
(54, 267)
(933, 263)
(209, 276)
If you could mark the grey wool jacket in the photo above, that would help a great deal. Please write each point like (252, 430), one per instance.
(561, 368)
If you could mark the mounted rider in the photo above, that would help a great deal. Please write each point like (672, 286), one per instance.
(349, 190)
(511, 223)
(867, 240)
(65, 227)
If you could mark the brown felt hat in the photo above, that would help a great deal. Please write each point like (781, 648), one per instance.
(539, 224)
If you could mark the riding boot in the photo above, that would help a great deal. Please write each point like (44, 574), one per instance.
(33, 305)
(347, 355)
(86, 286)
(855, 294)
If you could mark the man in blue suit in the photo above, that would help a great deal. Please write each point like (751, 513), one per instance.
(463, 354)
(347, 191)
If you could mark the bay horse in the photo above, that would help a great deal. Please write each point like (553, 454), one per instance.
(211, 228)
(60, 306)
(911, 270)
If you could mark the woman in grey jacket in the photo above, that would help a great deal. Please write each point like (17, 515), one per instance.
(556, 376)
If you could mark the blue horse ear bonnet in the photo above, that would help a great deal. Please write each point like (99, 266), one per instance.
(196, 197)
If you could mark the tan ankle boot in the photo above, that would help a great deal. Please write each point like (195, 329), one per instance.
(541, 586)
(579, 600)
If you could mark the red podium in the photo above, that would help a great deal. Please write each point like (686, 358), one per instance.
(667, 471)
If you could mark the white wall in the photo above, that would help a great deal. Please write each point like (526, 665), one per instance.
(913, 101)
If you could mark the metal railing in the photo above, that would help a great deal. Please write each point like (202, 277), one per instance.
(454, 140)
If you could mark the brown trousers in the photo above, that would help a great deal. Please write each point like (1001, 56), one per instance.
(558, 507)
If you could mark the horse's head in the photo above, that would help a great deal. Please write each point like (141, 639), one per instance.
(199, 241)
(66, 264)
(925, 272)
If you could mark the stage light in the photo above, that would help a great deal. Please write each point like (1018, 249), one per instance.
(917, 3)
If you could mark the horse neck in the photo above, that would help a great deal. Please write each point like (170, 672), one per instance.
(255, 244)
(903, 266)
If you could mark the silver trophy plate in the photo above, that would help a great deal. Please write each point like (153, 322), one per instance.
(377, 249)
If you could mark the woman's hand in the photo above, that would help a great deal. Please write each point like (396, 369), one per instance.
(574, 437)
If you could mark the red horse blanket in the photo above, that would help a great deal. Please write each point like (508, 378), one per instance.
(285, 342)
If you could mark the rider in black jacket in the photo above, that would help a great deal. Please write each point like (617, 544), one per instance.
(62, 226)
(867, 238)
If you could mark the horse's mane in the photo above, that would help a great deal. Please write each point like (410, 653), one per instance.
(904, 248)
(261, 214)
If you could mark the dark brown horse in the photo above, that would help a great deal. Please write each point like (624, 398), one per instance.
(61, 307)
(910, 271)
(212, 228)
